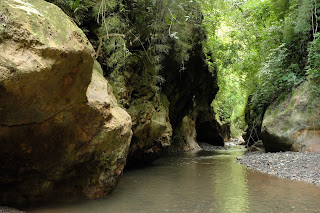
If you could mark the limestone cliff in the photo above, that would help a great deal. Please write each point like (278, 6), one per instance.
(190, 93)
(158, 116)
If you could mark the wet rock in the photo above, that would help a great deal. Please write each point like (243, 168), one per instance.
(208, 129)
(238, 140)
(62, 134)
(185, 136)
(257, 147)
(254, 148)
(292, 122)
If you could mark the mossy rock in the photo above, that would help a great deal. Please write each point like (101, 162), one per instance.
(152, 130)
(292, 122)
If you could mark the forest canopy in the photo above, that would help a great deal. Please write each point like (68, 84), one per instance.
(261, 48)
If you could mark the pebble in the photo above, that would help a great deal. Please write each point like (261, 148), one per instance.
(301, 166)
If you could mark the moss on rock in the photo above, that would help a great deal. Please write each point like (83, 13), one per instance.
(292, 121)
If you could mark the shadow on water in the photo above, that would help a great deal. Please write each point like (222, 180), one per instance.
(206, 181)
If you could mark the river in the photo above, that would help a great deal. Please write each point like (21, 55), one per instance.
(207, 181)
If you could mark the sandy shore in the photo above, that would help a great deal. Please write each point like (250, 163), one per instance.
(291, 165)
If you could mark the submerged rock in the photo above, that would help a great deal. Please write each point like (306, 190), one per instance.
(292, 122)
(62, 134)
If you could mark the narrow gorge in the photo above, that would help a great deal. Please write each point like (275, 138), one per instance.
(90, 89)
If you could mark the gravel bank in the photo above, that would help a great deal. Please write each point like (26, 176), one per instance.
(4, 209)
(291, 165)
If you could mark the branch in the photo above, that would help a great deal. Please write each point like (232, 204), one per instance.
(252, 136)
(172, 18)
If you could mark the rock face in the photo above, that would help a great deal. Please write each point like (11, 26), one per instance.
(293, 121)
(180, 108)
(185, 138)
(152, 130)
(190, 93)
(149, 111)
(62, 133)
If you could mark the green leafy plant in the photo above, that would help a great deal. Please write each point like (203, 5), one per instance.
(313, 69)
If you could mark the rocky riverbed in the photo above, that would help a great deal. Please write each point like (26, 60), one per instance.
(4, 209)
(301, 166)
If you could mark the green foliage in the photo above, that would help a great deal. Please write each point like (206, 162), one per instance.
(260, 49)
(149, 30)
(79, 10)
(304, 16)
(234, 30)
(161, 29)
(100, 18)
(112, 27)
(75, 4)
(285, 65)
(275, 76)
(313, 69)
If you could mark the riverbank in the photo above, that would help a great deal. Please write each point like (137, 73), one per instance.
(301, 166)
(4, 209)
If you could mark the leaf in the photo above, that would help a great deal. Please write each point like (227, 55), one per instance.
(168, 20)
(140, 19)
(291, 75)
(75, 4)
(174, 17)
(154, 2)
(174, 35)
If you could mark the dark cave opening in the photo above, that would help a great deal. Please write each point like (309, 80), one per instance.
(208, 133)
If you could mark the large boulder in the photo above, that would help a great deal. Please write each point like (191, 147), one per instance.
(292, 122)
(62, 134)
(46, 62)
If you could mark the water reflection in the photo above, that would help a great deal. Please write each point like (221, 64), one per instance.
(230, 184)
(201, 182)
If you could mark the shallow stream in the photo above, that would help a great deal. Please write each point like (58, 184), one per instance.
(207, 181)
